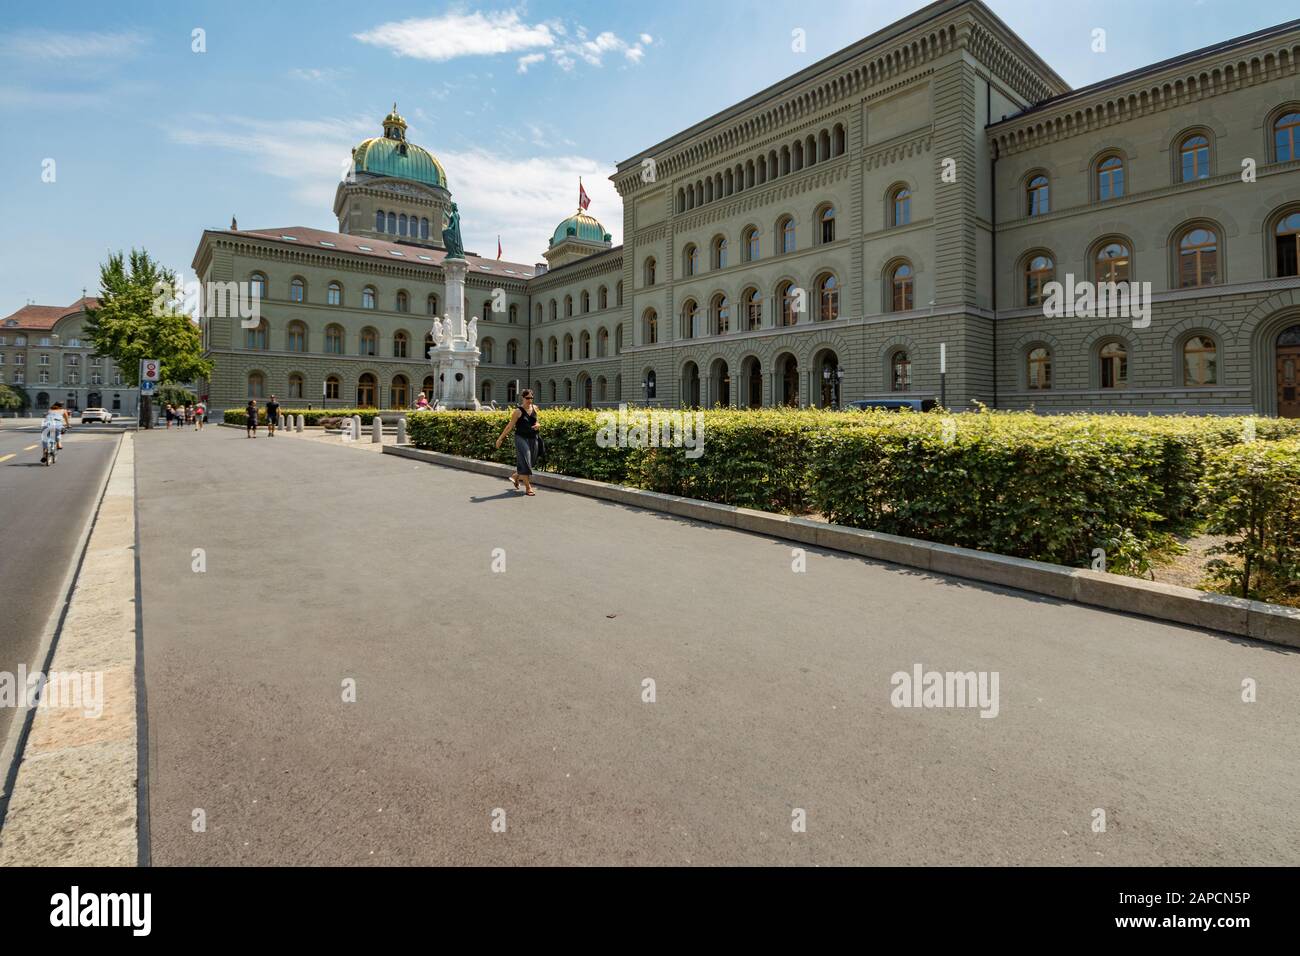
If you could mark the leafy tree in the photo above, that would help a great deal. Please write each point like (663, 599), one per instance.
(175, 395)
(12, 398)
(138, 319)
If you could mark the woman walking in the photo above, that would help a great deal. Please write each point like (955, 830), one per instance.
(524, 422)
(250, 419)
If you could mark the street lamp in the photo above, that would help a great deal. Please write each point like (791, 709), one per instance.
(836, 376)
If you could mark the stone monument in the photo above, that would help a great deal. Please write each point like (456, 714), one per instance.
(455, 353)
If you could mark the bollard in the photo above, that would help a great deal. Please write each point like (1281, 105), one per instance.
(298, 424)
(376, 431)
(401, 430)
(356, 428)
(279, 421)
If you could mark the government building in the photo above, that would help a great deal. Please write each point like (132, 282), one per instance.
(828, 238)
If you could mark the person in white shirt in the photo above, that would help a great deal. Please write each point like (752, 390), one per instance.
(52, 430)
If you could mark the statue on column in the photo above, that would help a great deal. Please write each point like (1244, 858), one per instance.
(451, 235)
(473, 331)
(439, 333)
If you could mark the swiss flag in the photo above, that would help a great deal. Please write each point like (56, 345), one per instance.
(498, 247)
(583, 199)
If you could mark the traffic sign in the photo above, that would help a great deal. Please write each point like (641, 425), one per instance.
(150, 370)
(148, 387)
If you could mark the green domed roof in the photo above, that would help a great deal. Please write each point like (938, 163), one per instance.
(384, 156)
(580, 226)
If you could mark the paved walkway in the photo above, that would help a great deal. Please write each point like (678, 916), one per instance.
(523, 690)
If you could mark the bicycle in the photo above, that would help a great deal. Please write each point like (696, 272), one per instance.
(49, 449)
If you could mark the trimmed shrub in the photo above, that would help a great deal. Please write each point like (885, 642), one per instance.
(1251, 492)
(1048, 488)
(312, 416)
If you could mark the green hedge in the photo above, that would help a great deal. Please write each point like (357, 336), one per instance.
(1251, 493)
(311, 416)
(1048, 488)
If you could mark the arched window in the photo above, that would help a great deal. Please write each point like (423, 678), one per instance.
(367, 388)
(424, 228)
(826, 217)
(553, 348)
(392, 222)
(403, 302)
(1113, 359)
(901, 281)
(401, 224)
(602, 342)
(368, 297)
(1039, 271)
(334, 340)
(398, 389)
(296, 339)
(785, 229)
(1200, 361)
(379, 220)
(787, 295)
(837, 140)
(618, 292)
(1194, 158)
(828, 298)
(256, 385)
(485, 392)
(255, 338)
(514, 313)
(720, 252)
(297, 290)
(691, 260)
(584, 345)
(1287, 245)
(900, 372)
(332, 387)
(401, 345)
(295, 385)
(691, 328)
(749, 241)
(334, 294)
(586, 302)
(568, 306)
(720, 315)
(568, 348)
(431, 305)
(1112, 263)
(512, 352)
(753, 303)
(1110, 178)
(487, 309)
(1038, 367)
(257, 285)
(651, 384)
(1198, 258)
(1038, 196)
(650, 270)
(1286, 137)
(650, 327)
(900, 206)
(369, 342)
(554, 310)
(602, 298)
(618, 339)
(485, 349)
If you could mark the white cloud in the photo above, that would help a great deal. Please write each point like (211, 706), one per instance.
(459, 34)
(526, 61)
(50, 45)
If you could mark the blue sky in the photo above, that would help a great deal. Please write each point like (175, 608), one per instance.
(152, 142)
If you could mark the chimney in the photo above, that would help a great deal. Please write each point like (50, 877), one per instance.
(539, 268)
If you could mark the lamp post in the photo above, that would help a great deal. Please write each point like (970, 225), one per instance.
(833, 380)
(943, 374)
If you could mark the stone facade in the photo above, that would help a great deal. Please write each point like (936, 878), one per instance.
(886, 190)
(44, 349)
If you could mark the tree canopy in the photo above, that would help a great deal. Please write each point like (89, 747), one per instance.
(138, 319)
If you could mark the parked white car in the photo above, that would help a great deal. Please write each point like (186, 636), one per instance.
(101, 415)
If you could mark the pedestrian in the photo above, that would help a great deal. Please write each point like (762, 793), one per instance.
(272, 416)
(523, 419)
(171, 413)
(422, 402)
(199, 412)
(250, 419)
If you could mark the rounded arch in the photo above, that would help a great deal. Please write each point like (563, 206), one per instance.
(720, 385)
(786, 381)
(1035, 191)
(1190, 160)
(1108, 173)
(690, 394)
(1268, 320)
(1281, 244)
(1197, 254)
(750, 391)
(1111, 257)
(1283, 132)
(785, 233)
(827, 373)
(1034, 269)
(898, 285)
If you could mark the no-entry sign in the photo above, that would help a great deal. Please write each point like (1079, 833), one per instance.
(149, 371)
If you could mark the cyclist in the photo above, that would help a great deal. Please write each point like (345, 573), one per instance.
(51, 431)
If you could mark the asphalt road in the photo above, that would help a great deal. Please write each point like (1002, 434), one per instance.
(478, 690)
(42, 514)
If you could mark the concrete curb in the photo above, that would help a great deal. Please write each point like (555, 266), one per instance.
(1113, 592)
(74, 801)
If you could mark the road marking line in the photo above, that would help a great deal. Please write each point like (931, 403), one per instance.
(29, 448)
(7, 457)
